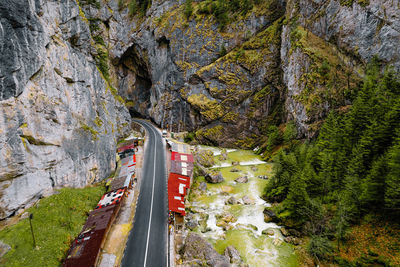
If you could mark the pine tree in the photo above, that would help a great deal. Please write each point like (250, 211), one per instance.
(392, 194)
(188, 9)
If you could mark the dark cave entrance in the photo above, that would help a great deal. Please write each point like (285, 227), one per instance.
(135, 81)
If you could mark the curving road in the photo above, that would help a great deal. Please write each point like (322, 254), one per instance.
(147, 242)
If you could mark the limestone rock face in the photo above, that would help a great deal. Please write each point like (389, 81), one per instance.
(285, 60)
(323, 52)
(59, 121)
(21, 45)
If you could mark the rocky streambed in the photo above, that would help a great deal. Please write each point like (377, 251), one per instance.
(229, 212)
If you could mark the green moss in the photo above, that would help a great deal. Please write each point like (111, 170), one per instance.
(328, 80)
(363, 3)
(114, 92)
(33, 141)
(210, 109)
(102, 62)
(94, 3)
(213, 133)
(98, 121)
(24, 125)
(89, 129)
(129, 103)
(81, 13)
(57, 220)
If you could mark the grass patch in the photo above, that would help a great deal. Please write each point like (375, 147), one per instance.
(257, 250)
(57, 220)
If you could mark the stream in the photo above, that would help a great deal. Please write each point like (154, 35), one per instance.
(244, 228)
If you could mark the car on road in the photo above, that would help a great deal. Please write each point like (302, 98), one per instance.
(164, 133)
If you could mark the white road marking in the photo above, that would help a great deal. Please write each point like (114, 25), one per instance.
(152, 198)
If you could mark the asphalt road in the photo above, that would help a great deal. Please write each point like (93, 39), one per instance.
(147, 242)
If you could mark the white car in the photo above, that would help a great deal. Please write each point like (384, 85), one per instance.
(164, 133)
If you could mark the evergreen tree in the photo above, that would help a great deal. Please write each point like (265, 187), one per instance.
(188, 9)
(392, 194)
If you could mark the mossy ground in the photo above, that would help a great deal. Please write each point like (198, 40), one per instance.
(252, 248)
(256, 250)
(57, 220)
(374, 241)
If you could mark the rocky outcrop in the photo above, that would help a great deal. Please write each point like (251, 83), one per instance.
(292, 60)
(242, 180)
(234, 255)
(197, 250)
(270, 216)
(59, 119)
(214, 177)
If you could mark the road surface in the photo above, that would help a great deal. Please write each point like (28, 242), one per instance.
(147, 242)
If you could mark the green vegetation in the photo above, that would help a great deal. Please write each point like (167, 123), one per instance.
(89, 129)
(102, 62)
(189, 137)
(137, 7)
(98, 121)
(350, 171)
(94, 3)
(330, 81)
(210, 109)
(226, 11)
(188, 9)
(349, 3)
(57, 220)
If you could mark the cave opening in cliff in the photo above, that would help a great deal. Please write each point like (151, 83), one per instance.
(135, 81)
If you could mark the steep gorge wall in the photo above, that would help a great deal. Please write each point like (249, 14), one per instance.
(59, 120)
(285, 61)
(69, 66)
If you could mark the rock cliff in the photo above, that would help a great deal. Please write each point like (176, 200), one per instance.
(275, 62)
(59, 119)
(72, 69)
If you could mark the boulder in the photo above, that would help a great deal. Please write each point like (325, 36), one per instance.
(203, 186)
(277, 242)
(294, 232)
(234, 169)
(204, 158)
(254, 168)
(246, 226)
(201, 171)
(242, 180)
(4, 248)
(231, 201)
(224, 154)
(269, 216)
(264, 177)
(284, 231)
(214, 177)
(224, 220)
(268, 231)
(247, 200)
(234, 255)
(293, 240)
(235, 163)
(229, 218)
(191, 223)
(196, 248)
